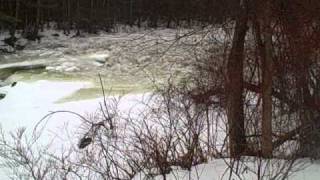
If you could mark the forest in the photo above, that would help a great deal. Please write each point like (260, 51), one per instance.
(31, 16)
(253, 96)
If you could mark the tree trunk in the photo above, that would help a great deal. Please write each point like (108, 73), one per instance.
(78, 18)
(13, 30)
(267, 74)
(36, 30)
(235, 114)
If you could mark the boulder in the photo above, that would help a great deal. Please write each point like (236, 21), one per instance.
(2, 95)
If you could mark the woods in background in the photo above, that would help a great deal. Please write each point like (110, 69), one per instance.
(92, 15)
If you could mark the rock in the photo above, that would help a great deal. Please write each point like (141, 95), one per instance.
(13, 84)
(2, 95)
(100, 61)
(55, 35)
(84, 142)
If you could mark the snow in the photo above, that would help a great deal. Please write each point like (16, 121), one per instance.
(218, 169)
(100, 56)
(24, 63)
(27, 103)
(32, 101)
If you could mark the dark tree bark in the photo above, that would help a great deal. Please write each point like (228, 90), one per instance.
(235, 114)
(267, 75)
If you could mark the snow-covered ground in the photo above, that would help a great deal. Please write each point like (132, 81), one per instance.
(218, 169)
(27, 103)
